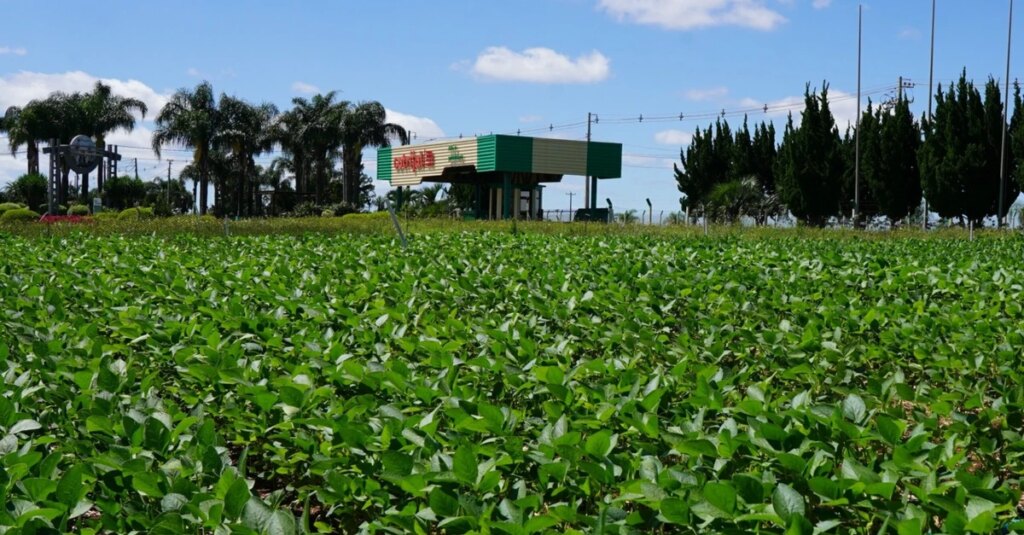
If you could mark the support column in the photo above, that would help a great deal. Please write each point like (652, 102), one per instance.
(593, 193)
(506, 194)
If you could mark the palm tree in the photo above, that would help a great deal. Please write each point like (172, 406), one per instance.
(318, 128)
(364, 126)
(287, 132)
(629, 216)
(16, 124)
(246, 131)
(104, 112)
(191, 118)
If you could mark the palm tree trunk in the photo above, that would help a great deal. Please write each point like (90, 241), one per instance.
(204, 179)
(33, 158)
(240, 188)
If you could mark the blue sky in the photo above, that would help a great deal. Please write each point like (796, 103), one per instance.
(445, 68)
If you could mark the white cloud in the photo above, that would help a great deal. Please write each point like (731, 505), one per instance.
(424, 127)
(194, 72)
(18, 89)
(821, 4)
(530, 118)
(304, 88)
(694, 14)
(14, 50)
(673, 137)
(540, 65)
(712, 93)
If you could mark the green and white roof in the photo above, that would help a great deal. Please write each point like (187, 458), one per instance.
(410, 165)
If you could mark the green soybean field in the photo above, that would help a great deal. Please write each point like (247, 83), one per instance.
(491, 382)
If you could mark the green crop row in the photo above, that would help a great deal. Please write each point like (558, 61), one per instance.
(510, 383)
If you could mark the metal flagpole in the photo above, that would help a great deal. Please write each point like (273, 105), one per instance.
(856, 164)
(1006, 104)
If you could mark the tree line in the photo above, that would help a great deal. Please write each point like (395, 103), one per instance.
(951, 160)
(225, 136)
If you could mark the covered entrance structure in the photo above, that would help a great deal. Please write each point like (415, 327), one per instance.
(507, 172)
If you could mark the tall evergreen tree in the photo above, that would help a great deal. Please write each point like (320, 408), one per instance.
(959, 160)
(809, 167)
(895, 182)
(1015, 142)
(695, 177)
(871, 165)
(743, 157)
(763, 153)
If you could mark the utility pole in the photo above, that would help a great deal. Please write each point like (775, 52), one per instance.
(856, 164)
(586, 183)
(136, 168)
(1006, 104)
(931, 79)
(571, 195)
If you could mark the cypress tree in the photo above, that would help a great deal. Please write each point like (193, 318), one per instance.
(763, 155)
(743, 157)
(872, 166)
(1015, 143)
(896, 181)
(809, 168)
(695, 176)
(959, 159)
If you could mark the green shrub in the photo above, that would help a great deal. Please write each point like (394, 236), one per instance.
(106, 215)
(78, 209)
(44, 208)
(136, 213)
(4, 207)
(306, 209)
(327, 213)
(370, 216)
(19, 214)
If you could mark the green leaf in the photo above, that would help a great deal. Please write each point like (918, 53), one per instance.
(443, 503)
(720, 495)
(675, 511)
(910, 526)
(787, 502)
(148, 484)
(854, 408)
(891, 430)
(24, 426)
(600, 444)
(281, 522)
(697, 447)
(464, 465)
(237, 496)
(70, 488)
(173, 502)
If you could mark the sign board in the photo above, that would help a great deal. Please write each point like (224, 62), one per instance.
(97, 205)
(81, 155)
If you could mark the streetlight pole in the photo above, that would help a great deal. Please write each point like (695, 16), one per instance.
(1006, 103)
(571, 195)
(856, 164)
(931, 79)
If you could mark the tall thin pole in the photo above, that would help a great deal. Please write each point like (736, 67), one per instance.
(931, 96)
(586, 183)
(1006, 105)
(856, 164)
(571, 195)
